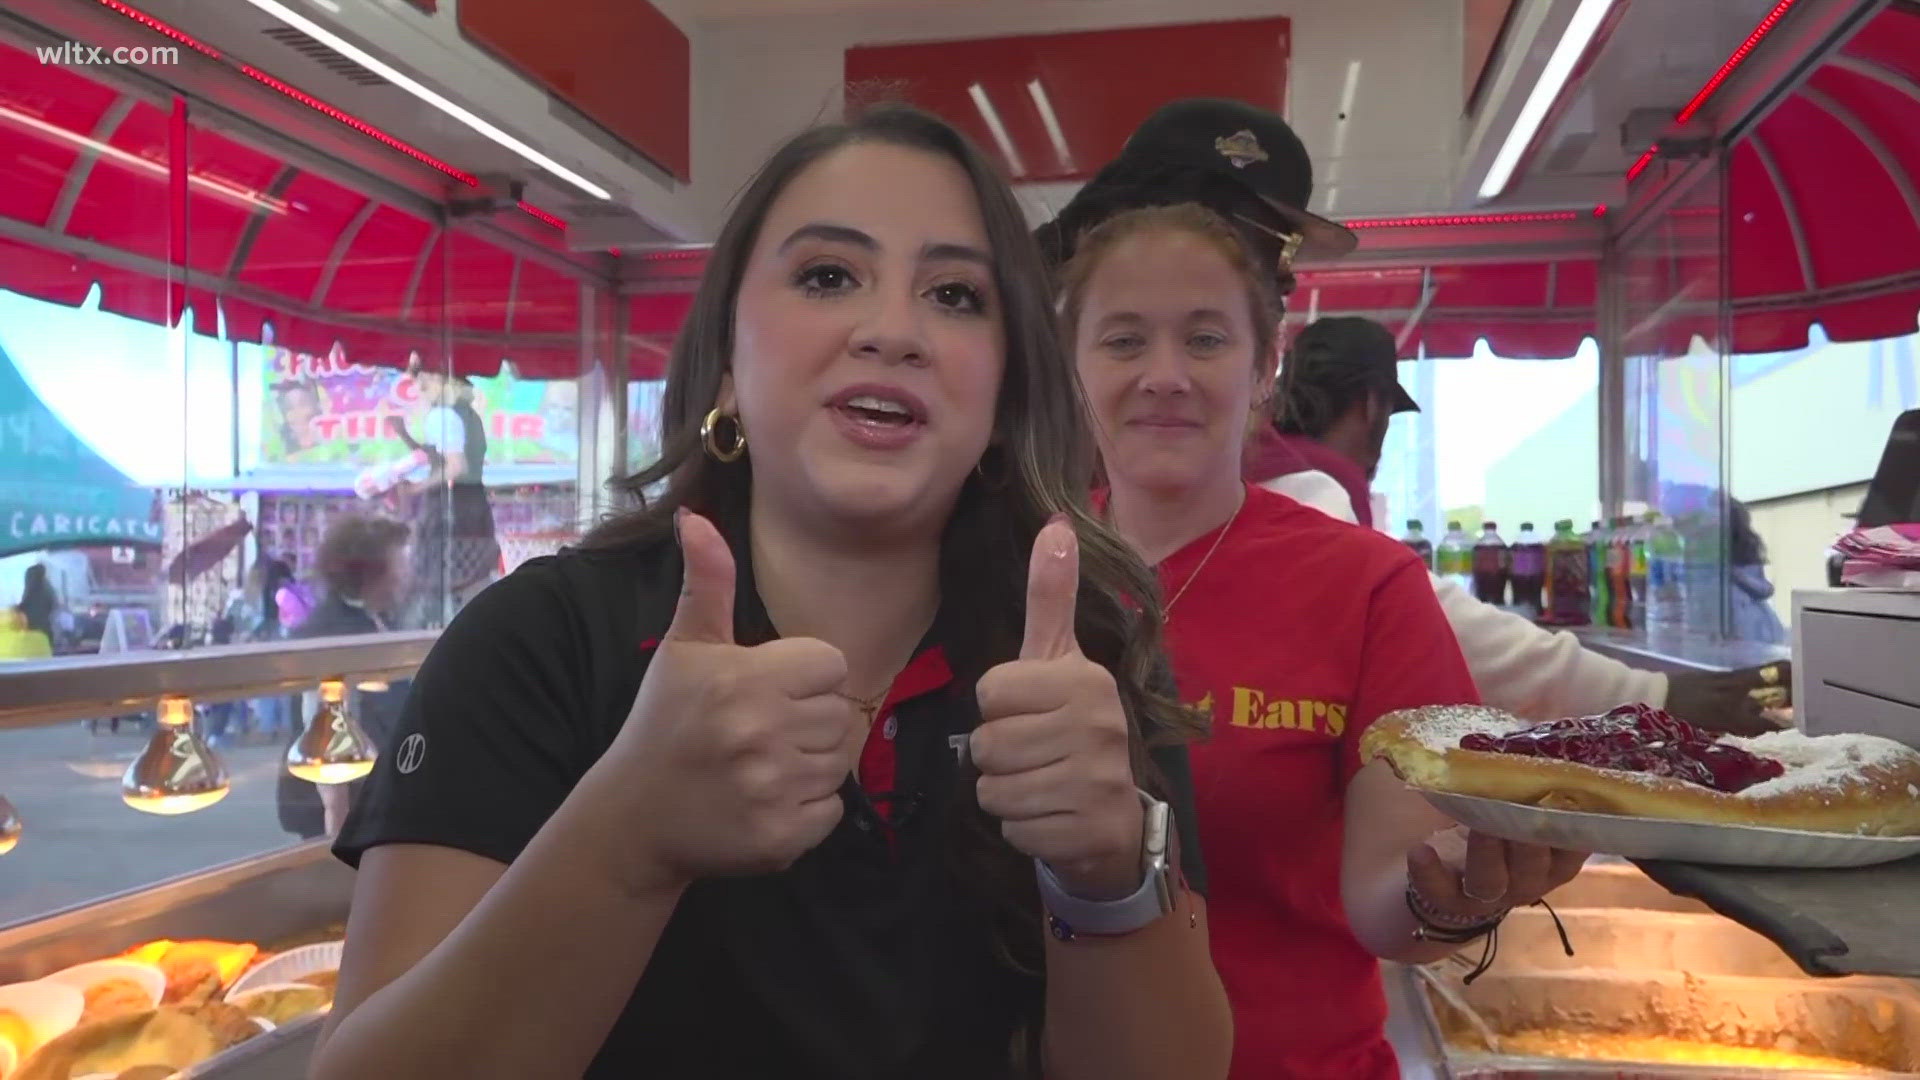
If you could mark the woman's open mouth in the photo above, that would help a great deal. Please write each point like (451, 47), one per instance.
(879, 417)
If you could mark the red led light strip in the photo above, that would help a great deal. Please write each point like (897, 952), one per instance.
(1739, 57)
(1464, 219)
(1640, 165)
(359, 125)
(1713, 85)
(536, 212)
(159, 27)
(296, 94)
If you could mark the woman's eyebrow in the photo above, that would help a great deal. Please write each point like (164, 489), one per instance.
(820, 230)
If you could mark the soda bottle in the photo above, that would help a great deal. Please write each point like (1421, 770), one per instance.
(1417, 540)
(1490, 566)
(1597, 539)
(1454, 559)
(1568, 596)
(1620, 574)
(1666, 579)
(1637, 568)
(1529, 560)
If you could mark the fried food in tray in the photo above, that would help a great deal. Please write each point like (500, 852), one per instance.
(325, 980)
(1638, 761)
(283, 1003)
(197, 971)
(110, 998)
(173, 1037)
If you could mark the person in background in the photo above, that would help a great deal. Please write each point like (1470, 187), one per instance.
(294, 598)
(363, 564)
(38, 602)
(1338, 387)
(1748, 588)
(835, 759)
(455, 545)
(272, 715)
(1294, 633)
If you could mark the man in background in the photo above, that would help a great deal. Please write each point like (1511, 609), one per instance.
(1338, 388)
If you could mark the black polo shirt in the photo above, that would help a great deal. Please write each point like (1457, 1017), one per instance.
(869, 957)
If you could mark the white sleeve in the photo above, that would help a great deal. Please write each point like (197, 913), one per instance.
(440, 429)
(1539, 674)
(1316, 489)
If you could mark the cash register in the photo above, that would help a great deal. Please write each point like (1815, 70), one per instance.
(1856, 652)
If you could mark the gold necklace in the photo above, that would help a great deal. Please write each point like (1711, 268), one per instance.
(869, 706)
(1167, 612)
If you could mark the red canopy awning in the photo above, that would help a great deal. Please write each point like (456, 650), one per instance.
(90, 200)
(1525, 310)
(1823, 220)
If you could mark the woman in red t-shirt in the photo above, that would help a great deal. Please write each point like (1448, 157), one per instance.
(1294, 631)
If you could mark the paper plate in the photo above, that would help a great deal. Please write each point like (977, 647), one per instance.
(290, 966)
(49, 1009)
(1680, 841)
(83, 977)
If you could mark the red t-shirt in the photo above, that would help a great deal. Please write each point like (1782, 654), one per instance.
(1295, 635)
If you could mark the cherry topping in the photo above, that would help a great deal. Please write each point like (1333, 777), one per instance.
(1636, 738)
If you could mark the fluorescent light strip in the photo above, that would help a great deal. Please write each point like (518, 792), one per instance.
(1553, 78)
(994, 127)
(252, 200)
(391, 74)
(1059, 138)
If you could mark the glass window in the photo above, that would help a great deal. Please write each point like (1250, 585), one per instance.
(241, 401)
(1507, 441)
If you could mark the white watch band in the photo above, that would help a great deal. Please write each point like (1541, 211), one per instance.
(1070, 916)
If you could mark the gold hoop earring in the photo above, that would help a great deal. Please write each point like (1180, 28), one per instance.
(711, 425)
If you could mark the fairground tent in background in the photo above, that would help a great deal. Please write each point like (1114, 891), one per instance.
(54, 490)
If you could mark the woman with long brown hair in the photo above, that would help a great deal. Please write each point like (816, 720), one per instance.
(778, 775)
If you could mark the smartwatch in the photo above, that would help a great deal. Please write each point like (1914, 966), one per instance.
(1069, 917)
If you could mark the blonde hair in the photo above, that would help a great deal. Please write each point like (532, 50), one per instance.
(1190, 219)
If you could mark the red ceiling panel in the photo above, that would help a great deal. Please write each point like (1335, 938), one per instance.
(1099, 84)
(622, 63)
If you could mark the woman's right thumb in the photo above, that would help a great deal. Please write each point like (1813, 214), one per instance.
(705, 611)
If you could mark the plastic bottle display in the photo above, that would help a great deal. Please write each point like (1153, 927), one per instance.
(1637, 569)
(1602, 597)
(1568, 595)
(1490, 566)
(1620, 575)
(1528, 558)
(1416, 539)
(1454, 558)
(1666, 578)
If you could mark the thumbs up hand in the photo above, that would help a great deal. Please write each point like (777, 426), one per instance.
(734, 754)
(1052, 745)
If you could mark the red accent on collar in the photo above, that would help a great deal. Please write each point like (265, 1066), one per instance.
(926, 672)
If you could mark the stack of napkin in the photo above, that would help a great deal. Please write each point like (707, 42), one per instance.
(1887, 557)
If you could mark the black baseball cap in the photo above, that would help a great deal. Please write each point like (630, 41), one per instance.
(1362, 342)
(1248, 145)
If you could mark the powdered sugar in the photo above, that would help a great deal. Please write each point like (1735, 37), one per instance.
(1441, 727)
(1819, 761)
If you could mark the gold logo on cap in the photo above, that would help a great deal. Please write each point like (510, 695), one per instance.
(1241, 148)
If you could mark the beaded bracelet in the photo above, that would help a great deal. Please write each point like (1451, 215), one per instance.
(1445, 929)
